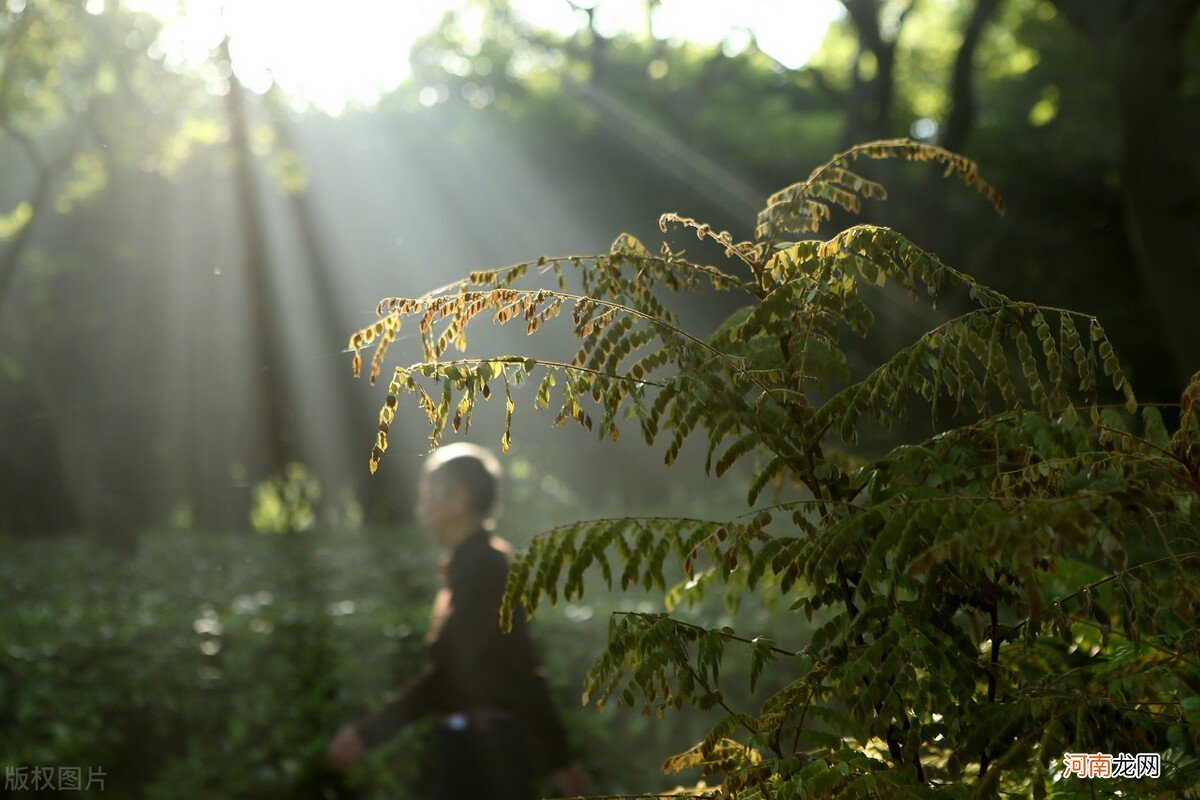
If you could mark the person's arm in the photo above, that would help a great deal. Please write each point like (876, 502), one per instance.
(417, 697)
(412, 701)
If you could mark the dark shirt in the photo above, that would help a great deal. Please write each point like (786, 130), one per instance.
(473, 664)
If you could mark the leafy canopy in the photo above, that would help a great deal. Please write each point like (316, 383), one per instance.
(1015, 587)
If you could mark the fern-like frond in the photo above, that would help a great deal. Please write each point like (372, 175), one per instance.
(803, 206)
(981, 600)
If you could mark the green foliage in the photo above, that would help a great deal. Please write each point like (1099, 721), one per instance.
(208, 665)
(82, 94)
(286, 503)
(12, 222)
(218, 664)
(1016, 586)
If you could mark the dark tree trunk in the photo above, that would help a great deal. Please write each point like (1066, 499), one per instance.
(16, 248)
(266, 333)
(382, 494)
(47, 174)
(961, 119)
(869, 109)
(1160, 178)
(76, 443)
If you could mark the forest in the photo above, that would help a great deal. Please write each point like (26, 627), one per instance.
(841, 358)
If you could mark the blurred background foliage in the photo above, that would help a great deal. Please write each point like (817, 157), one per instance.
(187, 237)
(217, 664)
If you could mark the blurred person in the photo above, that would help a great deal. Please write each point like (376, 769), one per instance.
(483, 688)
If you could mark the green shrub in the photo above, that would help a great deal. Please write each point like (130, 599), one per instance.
(1019, 585)
(218, 664)
(208, 664)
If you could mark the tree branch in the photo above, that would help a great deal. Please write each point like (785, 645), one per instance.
(993, 612)
(962, 92)
(40, 164)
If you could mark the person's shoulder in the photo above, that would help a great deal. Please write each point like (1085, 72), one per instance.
(487, 562)
(501, 548)
(487, 549)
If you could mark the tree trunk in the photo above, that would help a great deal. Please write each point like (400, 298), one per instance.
(76, 444)
(869, 111)
(961, 118)
(264, 324)
(1160, 178)
(47, 178)
(16, 248)
(382, 494)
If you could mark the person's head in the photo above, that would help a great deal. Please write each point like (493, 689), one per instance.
(458, 491)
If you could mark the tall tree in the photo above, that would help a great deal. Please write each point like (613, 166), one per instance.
(319, 265)
(1143, 46)
(49, 86)
(270, 380)
(873, 91)
(963, 109)
(80, 97)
